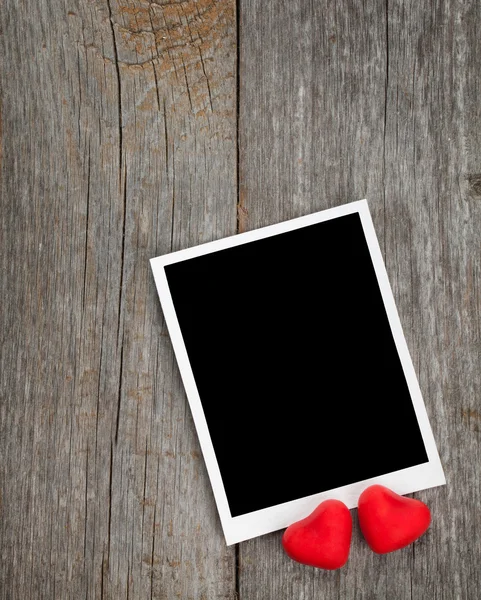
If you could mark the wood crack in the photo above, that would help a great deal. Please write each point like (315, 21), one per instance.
(187, 85)
(110, 500)
(166, 138)
(120, 305)
(119, 399)
(206, 80)
(152, 556)
(119, 85)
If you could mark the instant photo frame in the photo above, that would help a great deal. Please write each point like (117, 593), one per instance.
(296, 369)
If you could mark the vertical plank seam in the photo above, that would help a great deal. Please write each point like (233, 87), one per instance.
(86, 505)
(102, 578)
(173, 196)
(237, 565)
(152, 555)
(143, 506)
(238, 223)
(386, 86)
(238, 58)
(412, 569)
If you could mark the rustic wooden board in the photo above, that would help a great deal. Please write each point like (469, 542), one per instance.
(380, 100)
(118, 135)
(119, 144)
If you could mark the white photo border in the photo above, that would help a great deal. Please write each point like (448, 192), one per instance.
(405, 481)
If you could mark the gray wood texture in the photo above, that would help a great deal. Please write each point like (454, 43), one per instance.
(131, 128)
(119, 143)
(380, 100)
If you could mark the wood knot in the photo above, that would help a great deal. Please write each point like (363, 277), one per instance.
(159, 30)
(472, 418)
(474, 182)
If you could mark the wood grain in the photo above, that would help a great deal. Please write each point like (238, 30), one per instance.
(119, 144)
(380, 100)
(131, 128)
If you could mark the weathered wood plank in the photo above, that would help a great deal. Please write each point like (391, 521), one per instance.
(119, 143)
(341, 101)
(433, 245)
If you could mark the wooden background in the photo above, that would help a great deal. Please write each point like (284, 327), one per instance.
(132, 128)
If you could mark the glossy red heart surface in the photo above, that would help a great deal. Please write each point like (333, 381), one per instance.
(323, 538)
(389, 521)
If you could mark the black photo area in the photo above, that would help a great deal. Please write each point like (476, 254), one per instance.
(295, 363)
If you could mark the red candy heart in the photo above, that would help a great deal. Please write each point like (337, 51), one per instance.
(323, 538)
(389, 521)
